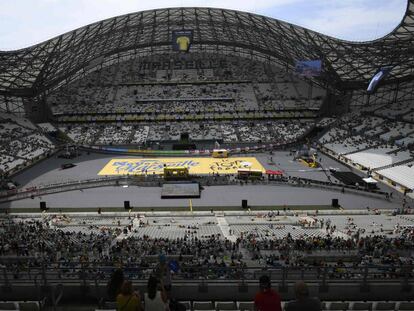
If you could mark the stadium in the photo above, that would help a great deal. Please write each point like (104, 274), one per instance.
(208, 147)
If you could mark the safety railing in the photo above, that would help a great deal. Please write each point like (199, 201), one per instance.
(157, 180)
(85, 273)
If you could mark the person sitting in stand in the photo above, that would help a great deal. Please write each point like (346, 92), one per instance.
(115, 284)
(267, 299)
(128, 300)
(303, 301)
(155, 300)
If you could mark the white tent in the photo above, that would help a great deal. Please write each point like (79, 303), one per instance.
(370, 180)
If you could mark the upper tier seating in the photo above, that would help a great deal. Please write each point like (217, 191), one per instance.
(230, 132)
(141, 86)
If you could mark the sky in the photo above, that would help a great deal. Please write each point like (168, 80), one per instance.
(27, 22)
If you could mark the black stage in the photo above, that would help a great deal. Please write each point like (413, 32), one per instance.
(180, 190)
(349, 178)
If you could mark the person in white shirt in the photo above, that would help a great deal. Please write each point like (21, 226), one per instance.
(155, 298)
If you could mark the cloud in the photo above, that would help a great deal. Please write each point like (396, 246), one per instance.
(27, 22)
(356, 20)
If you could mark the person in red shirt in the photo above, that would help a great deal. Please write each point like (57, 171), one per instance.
(267, 299)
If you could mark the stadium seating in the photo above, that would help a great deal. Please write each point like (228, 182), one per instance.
(245, 305)
(137, 93)
(262, 239)
(230, 132)
(225, 305)
(384, 305)
(21, 143)
(371, 143)
(379, 156)
(405, 305)
(186, 304)
(326, 305)
(203, 305)
(22, 305)
(402, 175)
(118, 90)
(9, 306)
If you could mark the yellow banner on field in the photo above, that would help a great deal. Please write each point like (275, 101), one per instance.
(197, 166)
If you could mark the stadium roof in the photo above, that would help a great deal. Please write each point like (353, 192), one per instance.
(346, 64)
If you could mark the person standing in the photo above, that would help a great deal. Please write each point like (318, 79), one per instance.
(163, 273)
(303, 301)
(115, 284)
(267, 299)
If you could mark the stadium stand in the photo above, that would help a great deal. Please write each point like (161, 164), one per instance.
(188, 95)
(22, 143)
(108, 238)
(371, 144)
(237, 88)
(282, 132)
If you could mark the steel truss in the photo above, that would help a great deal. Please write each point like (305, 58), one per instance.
(35, 70)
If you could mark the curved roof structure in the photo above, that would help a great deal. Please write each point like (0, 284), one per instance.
(33, 70)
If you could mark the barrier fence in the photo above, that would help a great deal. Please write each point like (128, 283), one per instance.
(81, 272)
(157, 180)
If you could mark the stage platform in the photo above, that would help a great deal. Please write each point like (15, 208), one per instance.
(195, 165)
(349, 178)
(180, 190)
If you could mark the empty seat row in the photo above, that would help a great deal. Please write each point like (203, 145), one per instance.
(20, 305)
(332, 305)
(369, 305)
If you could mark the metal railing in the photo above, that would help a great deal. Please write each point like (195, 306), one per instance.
(157, 180)
(85, 273)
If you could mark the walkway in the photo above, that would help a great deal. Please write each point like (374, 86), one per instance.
(224, 227)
